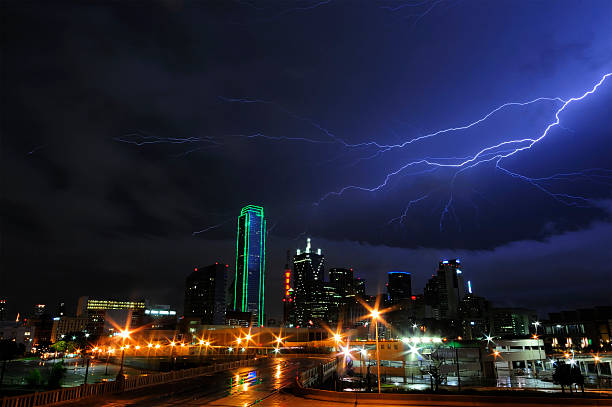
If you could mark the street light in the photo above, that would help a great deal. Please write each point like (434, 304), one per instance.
(375, 315)
(338, 339)
(597, 360)
(125, 334)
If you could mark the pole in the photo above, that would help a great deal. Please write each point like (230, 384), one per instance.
(86, 371)
(458, 374)
(107, 357)
(120, 374)
(377, 357)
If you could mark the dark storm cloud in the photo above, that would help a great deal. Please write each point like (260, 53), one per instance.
(83, 76)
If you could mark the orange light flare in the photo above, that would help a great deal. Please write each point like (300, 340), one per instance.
(375, 313)
(496, 355)
(126, 332)
(278, 372)
(596, 358)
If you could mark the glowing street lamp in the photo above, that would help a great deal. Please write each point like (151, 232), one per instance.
(375, 315)
(124, 334)
(337, 339)
(597, 360)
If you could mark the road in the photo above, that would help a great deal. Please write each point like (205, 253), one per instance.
(263, 386)
(238, 387)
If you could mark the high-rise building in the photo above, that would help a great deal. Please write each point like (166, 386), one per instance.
(360, 287)
(343, 280)
(308, 271)
(160, 316)
(475, 314)
(39, 310)
(101, 312)
(205, 294)
(249, 288)
(288, 293)
(3, 315)
(509, 322)
(61, 309)
(399, 286)
(444, 291)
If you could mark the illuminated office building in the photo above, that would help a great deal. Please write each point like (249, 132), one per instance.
(205, 294)
(288, 305)
(101, 312)
(444, 291)
(249, 287)
(3, 315)
(399, 286)
(308, 274)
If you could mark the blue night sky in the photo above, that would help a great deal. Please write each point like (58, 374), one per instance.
(133, 133)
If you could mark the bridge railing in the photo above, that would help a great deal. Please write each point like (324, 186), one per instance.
(131, 383)
(317, 374)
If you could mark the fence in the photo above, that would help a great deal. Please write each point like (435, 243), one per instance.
(131, 383)
(318, 374)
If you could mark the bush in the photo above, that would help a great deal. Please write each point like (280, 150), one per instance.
(33, 378)
(58, 371)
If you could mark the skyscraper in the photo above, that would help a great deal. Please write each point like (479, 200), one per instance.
(308, 274)
(445, 290)
(3, 310)
(399, 286)
(205, 294)
(342, 279)
(288, 293)
(249, 288)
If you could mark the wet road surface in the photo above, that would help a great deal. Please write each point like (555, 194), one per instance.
(247, 386)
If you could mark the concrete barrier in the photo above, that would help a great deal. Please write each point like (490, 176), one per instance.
(355, 399)
(51, 397)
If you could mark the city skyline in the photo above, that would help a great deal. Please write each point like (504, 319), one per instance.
(470, 130)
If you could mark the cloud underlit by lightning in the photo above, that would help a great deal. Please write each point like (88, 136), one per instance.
(370, 150)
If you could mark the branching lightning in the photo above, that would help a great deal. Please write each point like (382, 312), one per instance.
(494, 153)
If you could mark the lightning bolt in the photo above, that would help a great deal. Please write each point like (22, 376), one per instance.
(402, 217)
(218, 225)
(494, 153)
(486, 154)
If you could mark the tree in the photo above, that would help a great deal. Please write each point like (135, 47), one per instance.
(63, 347)
(567, 375)
(9, 350)
(435, 374)
(33, 378)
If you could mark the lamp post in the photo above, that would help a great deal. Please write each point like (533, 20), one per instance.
(107, 358)
(495, 355)
(375, 315)
(597, 360)
(125, 334)
(338, 339)
(536, 336)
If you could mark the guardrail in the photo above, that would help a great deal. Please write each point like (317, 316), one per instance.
(131, 383)
(318, 374)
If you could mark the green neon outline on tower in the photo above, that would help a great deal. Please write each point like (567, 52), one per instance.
(249, 286)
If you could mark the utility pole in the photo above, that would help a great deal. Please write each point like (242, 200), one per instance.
(457, 362)
(86, 370)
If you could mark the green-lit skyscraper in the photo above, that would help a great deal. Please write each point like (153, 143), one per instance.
(249, 288)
